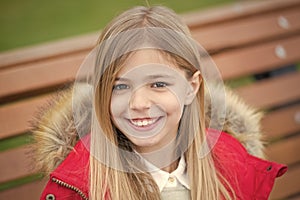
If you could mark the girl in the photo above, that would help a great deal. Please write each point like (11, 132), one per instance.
(147, 129)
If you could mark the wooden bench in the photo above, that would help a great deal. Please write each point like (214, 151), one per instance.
(246, 40)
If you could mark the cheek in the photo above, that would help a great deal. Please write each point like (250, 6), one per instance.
(118, 105)
(179, 93)
(171, 104)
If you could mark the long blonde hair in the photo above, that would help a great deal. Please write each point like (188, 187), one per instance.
(106, 182)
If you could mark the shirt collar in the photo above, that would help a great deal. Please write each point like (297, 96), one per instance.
(161, 177)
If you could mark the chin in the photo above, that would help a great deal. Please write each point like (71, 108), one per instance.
(145, 145)
(148, 142)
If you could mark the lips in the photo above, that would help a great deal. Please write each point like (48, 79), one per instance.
(142, 122)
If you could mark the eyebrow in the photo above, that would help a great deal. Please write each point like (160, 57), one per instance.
(149, 77)
(159, 76)
(121, 79)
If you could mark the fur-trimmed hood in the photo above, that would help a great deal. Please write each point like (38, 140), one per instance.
(55, 134)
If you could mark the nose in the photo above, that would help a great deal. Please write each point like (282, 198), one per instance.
(140, 99)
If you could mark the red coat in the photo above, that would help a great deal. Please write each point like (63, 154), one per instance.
(251, 177)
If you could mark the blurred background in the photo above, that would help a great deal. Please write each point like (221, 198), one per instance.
(254, 43)
(30, 22)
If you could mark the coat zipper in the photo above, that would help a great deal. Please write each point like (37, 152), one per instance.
(64, 184)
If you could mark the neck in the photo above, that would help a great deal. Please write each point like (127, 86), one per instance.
(172, 167)
(164, 160)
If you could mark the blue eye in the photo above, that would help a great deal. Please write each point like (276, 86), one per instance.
(159, 85)
(120, 87)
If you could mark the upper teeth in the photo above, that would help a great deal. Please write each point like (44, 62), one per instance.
(143, 122)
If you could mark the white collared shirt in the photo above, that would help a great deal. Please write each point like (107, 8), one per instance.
(168, 180)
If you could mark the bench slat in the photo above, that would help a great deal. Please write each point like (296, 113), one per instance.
(243, 62)
(237, 33)
(39, 75)
(282, 122)
(15, 117)
(15, 164)
(285, 151)
(28, 191)
(235, 11)
(60, 48)
(287, 185)
(272, 92)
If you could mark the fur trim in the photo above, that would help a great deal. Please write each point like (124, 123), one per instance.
(53, 130)
(241, 121)
(55, 135)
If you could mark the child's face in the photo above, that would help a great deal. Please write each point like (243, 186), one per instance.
(148, 99)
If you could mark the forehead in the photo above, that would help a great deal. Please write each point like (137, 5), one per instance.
(147, 57)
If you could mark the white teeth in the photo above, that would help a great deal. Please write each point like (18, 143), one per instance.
(144, 122)
(140, 123)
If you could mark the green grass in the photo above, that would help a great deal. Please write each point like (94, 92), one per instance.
(20, 181)
(33, 21)
(240, 82)
(14, 142)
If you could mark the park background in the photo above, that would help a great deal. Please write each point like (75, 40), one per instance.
(29, 22)
(37, 38)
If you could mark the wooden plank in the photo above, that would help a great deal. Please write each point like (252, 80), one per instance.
(59, 48)
(15, 117)
(243, 62)
(31, 190)
(285, 151)
(287, 185)
(39, 75)
(282, 122)
(272, 92)
(15, 163)
(240, 32)
(234, 11)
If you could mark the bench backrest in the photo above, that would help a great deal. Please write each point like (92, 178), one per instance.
(256, 42)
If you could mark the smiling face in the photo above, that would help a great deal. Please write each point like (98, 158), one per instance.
(148, 98)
